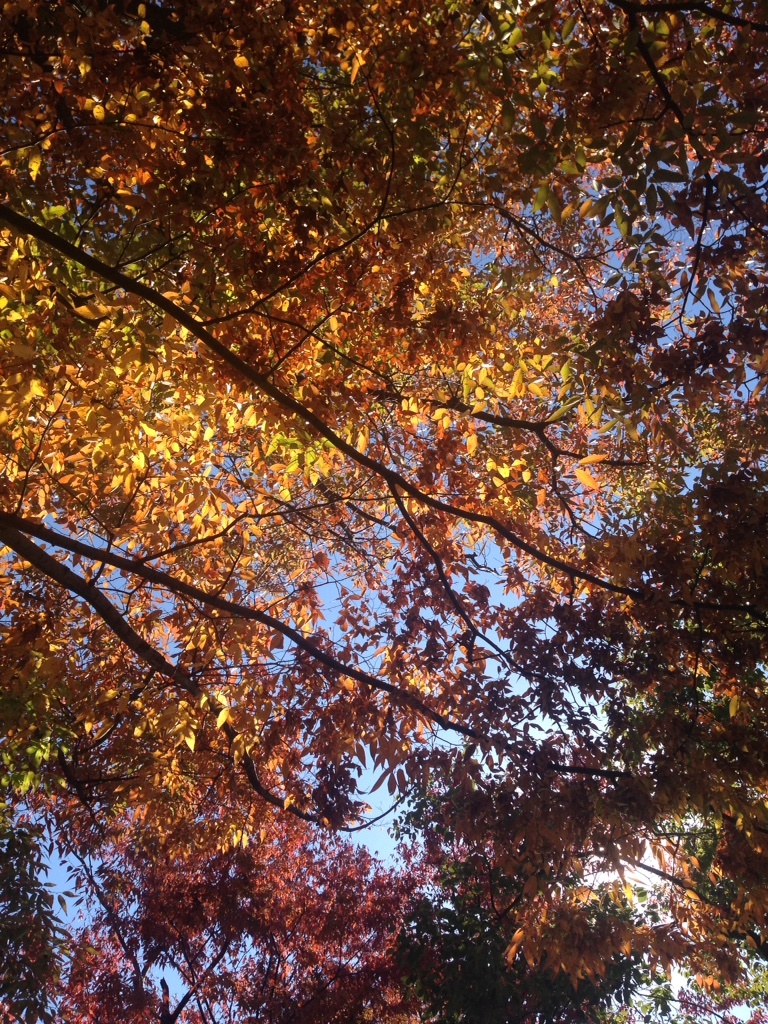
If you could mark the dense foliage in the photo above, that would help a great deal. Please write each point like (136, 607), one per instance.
(383, 396)
(32, 940)
(454, 946)
(291, 927)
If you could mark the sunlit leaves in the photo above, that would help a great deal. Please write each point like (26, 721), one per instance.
(429, 402)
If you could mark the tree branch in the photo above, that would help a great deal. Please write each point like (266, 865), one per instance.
(391, 476)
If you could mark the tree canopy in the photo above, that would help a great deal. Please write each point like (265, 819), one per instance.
(382, 406)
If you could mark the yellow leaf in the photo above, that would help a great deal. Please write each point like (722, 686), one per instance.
(733, 705)
(242, 61)
(357, 62)
(471, 444)
(35, 160)
(189, 739)
(591, 460)
(209, 432)
(86, 312)
(587, 479)
(239, 749)
(514, 947)
(99, 112)
(223, 718)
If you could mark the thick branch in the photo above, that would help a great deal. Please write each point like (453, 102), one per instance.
(10, 527)
(691, 7)
(10, 534)
(101, 604)
(392, 477)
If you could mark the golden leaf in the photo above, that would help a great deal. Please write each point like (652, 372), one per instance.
(587, 479)
(34, 163)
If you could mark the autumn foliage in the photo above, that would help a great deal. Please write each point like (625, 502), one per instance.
(382, 401)
(293, 927)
